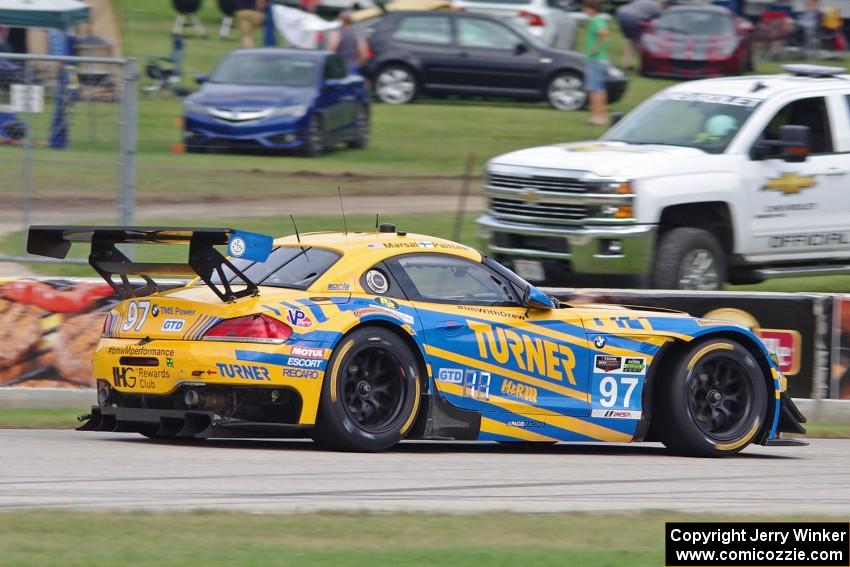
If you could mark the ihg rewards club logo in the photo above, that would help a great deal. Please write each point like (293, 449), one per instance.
(757, 544)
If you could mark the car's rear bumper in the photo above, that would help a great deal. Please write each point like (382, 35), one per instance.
(158, 375)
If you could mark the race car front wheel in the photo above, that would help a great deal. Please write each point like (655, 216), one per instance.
(712, 400)
(371, 392)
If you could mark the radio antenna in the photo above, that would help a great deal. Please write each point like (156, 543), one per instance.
(342, 208)
(298, 236)
(376, 222)
(295, 226)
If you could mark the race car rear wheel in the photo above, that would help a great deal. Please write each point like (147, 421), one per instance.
(371, 392)
(712, 400)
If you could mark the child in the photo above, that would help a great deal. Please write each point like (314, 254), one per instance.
(596, 57)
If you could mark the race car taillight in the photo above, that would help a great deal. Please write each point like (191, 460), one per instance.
(531, 19)
(249, 329)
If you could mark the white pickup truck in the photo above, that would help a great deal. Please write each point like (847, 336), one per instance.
(722, 180)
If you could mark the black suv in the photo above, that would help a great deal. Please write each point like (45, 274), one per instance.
(470, 54)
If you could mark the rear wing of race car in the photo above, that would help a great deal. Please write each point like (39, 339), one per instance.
(205, 261)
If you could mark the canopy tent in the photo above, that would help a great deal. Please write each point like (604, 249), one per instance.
(56, 14)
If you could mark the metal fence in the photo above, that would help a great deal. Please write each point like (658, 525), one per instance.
(67, 142)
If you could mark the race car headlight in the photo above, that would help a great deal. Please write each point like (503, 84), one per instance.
(189, 106)
(294, 110)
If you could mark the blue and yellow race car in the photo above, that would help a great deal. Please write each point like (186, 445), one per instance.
(360, 340)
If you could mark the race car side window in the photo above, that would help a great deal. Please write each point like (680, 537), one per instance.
(441, 278)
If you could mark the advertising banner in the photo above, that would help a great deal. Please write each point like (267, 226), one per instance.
(49, 329)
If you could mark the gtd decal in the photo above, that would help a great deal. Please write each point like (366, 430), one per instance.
(298, 318)
(243, 371)
(308, 352)
(298, 373)
(305, 362)
(173, 325)
(450, 375)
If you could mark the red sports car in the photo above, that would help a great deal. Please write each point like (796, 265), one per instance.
(697, 41)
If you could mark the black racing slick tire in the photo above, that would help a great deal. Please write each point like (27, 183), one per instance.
(689, 258)
(371, 393)
(711, 401)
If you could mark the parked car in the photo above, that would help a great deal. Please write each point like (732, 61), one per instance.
(278, 99)
(697, 42)
(471, 54)
(541, 18)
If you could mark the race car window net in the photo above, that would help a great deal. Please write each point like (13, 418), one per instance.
(706, 122)
(287, 266)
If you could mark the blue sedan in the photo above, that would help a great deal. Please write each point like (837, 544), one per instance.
(278, 99)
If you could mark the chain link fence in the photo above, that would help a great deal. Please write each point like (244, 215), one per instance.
(67, 142)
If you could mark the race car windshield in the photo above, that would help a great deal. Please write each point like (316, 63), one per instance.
(287, 266)
(695, 22)
(694, 120)
(265, 70)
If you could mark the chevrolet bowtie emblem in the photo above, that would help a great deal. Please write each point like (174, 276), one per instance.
(530, 195)
(790, 183)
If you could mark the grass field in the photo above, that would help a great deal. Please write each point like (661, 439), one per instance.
(70, 539)
(66, 418)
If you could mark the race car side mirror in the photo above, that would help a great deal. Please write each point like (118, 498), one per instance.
(533, 298)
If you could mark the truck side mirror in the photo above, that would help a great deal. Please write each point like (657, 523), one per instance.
(616, 117)
(795, 142)
(792, 145)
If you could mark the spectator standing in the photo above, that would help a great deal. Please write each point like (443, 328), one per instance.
(347, 44)
(596, 58)
(810, 24)
(632, 17)
(249, 15)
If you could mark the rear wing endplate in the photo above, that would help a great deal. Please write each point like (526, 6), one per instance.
(205, 261)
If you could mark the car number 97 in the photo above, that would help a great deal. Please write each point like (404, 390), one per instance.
(617, 396)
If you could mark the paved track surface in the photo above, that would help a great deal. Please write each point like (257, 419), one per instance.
(50, 468)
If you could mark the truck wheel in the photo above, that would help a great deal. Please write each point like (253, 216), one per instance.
(712, 401)
(689, 258)
(371, 393)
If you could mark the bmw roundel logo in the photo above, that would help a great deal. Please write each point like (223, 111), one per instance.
(155, 310)
(599, 341)
(237, 247)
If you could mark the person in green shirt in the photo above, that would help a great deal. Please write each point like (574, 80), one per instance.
(596, 59)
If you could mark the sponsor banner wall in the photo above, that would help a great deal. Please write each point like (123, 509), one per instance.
(789, 324)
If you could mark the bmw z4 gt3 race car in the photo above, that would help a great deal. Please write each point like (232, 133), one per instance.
(360, 340)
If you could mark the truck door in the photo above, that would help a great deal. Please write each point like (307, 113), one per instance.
(800, 209)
